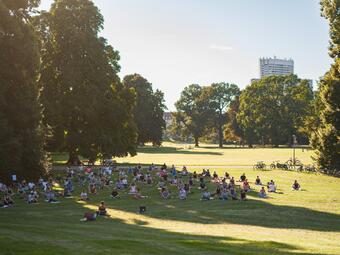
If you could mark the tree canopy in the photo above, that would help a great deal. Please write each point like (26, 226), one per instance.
(21, 131)
(274, 108)
(326, 134)
(87, 109)
(148, 111)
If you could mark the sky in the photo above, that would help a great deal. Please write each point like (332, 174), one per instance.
(175, 43)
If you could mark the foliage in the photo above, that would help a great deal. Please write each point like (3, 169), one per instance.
(21, 130)
(192, 112)
(219, 96)
(87, 109)
(274, 108)
(325, 135)
(148, 111)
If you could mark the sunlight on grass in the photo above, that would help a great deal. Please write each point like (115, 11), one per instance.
(249, 232)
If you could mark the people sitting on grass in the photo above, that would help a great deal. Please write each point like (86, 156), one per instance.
(243, 177)
(133, 189)
(50, 196)
(114, 193)
(226, 175)
(243, 195)
(246, 185)
(262, 193)
(191, 181)
(32, 197)
(296, 185)
(7, 201)
(224, 194)
(217, 192)
(202, 184)
(206, 195)
(258, 181)
(184, 171)
(182, 194)
(84, 196)
(271, 186)
(102, 209)
(233, 193)
(93, 189)
(165, 193)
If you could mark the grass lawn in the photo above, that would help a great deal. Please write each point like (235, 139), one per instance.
(209, 155)
(300, 222)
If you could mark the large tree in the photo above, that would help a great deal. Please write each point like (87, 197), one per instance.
(325, 139)
(192, 113)
(87, 109)
(149, 109)
(220, 95)
(21, 129)
(274, 108)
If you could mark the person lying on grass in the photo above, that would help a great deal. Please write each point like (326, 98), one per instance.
(258, 181)
(115, 194)
(165, 193)
(296, 185)
(262, 193)
(89, 216)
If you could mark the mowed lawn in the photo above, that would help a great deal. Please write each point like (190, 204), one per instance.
(208, 155)
(293, 222)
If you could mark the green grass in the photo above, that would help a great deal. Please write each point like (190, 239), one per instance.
(209, 155)
(304, 222)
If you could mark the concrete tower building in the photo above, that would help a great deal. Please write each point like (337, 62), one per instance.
(275, 66)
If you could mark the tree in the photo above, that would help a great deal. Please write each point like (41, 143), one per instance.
(233, 131)
(220, 95)
(21, 131)
(149, 109)
(274, 108)
(88, 110)
(325, 139)
(192, 112)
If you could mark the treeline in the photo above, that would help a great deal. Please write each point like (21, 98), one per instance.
(268, 112)
(60, 89)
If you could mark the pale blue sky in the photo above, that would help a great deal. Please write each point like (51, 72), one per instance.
(174, 43)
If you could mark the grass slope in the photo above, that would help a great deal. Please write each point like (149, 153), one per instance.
(304, 222)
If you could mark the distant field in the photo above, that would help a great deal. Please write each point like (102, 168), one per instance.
(209, 155)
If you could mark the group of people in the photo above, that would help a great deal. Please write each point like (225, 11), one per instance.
(170, 183)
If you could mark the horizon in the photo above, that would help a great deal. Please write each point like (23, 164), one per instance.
(175, 44)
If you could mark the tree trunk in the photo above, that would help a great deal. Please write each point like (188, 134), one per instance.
(220, 137)
(73, 159)
(196, 141)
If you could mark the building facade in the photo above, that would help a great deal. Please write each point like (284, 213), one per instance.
(275, 66)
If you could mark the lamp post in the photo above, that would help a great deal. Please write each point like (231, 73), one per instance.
(294, 143)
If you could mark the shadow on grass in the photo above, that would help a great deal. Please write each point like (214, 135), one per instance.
(51, 229)
(173, 150)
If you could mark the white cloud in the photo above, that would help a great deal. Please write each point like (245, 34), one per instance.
(220, 47)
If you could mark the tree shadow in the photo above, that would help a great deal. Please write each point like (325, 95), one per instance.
(173, 150)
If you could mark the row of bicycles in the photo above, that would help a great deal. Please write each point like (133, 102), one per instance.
(289, 165)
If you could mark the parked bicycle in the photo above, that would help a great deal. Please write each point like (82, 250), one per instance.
(260, 166)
